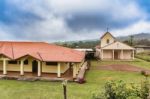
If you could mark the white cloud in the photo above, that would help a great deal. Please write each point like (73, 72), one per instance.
(53, 26)
(5, 33)
(139, 27)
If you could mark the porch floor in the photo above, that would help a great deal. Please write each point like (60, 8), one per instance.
(46, 76)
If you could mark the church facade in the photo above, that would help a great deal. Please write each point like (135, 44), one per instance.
(112, 49)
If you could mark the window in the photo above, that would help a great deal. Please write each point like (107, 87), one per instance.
(12, 62)
(107, 41)
(26, 62)
(51, 63)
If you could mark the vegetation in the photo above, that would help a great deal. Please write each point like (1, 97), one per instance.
(92, 44)
(144, 55)
(130, 40)
(95, 80)
(121, 90)
(80, 44)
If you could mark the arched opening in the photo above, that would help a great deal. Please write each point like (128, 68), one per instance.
(107, 41)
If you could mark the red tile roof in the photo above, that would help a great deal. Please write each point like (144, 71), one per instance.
(41, 51)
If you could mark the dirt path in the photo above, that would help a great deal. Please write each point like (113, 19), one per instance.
(120, 67)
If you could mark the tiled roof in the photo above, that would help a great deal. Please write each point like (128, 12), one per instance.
(41, 51)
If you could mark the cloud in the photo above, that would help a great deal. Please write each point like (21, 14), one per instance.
(52, 20)
(139, 27)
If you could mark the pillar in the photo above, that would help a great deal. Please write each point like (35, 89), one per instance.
(4, 67)
(39, 68)
(122, 55)
(74, 71)
(77, 68)
(68, 65)
(58, 70)
(133, 54)
(21, 67)
(102, 54)
(113, 53)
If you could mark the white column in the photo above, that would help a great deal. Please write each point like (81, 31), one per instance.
(77, 68)
(102, 54)
(39, 68)
(133, 54)
(68, 64)
(74, 71)
(4, 67)
(58, 70)
(21, 68)
(113, 53)
(122, 55)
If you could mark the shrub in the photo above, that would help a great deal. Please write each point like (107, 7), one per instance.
(116, 90)
(122, 90)
(144, 73)
(144, 91)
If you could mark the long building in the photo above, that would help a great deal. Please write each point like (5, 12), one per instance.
(39, 59)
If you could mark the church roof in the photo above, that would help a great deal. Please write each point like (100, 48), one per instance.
(118, 45)
(106, 34)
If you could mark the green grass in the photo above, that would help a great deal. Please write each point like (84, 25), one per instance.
(144, 55)
(11, 89)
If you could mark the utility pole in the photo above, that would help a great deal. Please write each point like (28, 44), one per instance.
(131, 40)
(107, 29)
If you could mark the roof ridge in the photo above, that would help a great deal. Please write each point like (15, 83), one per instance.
(40, 55)
(12, 50)
(126, 44)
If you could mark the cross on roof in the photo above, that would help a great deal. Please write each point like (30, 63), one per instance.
(107, 29)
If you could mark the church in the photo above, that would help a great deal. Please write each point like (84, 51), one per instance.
(112, 49)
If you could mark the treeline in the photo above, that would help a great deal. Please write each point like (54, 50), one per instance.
(93, 44)
(144, 42)
(80, 44)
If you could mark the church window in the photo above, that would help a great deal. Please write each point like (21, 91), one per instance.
(107, 41)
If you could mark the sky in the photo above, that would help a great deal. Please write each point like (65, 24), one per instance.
(69, 20)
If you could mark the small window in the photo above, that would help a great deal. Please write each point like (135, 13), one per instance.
(26, 62)
(12, 62)
(51, 63)
(107, 41)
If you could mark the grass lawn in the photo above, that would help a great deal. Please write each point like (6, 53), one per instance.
(144, 55)
(11, 89)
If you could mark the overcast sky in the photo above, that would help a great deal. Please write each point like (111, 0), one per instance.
(64, 20)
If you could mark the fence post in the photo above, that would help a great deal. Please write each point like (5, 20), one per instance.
(65, 88)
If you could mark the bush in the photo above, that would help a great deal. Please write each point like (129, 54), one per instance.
(144, 91)
(122, 90)
(144, 73)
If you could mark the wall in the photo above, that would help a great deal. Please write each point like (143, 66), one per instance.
(104, 40)
(28, 68)
(127, 54)
(107, 54)
(1, 65)
(53, 69)
(16, 67)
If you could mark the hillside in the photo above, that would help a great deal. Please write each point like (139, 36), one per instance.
(138, 38)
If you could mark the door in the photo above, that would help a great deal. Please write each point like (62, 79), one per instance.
(116, 55)
(34, 66)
